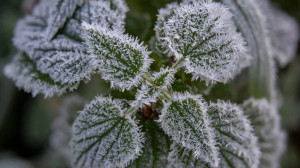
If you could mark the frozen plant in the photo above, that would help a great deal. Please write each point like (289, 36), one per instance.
(64, 42)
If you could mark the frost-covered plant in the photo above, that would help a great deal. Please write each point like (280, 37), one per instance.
(64, 42)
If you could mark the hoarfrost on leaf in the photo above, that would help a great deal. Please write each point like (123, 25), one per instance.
(184, 118)
(103, 136)
(156, 148)
(266, 123)
(120, 58)
(155, 87)
(63, 10)
(234, 136)
(163, 15)
(65, 59)
(30, 30)
(22, 70)
(284, 33)
(205, 35)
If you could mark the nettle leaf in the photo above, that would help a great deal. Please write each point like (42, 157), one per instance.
(204, 34)
(284, 32)
(266, 123)
(156, 147)
(65, 58)
(22, 70)
(252, 23)
(234, 137)
(184, 118)
(183, 157)
(29, 31)
(103, 136)
(63, 10)
(156, 87)
(163, 15)
(120, 58)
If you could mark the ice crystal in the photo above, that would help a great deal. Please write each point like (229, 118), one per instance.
(64, 58)
(185, 119)
(103, 136)
(266, 122)
(22, 70)
(234, 136)
(120, 58)
(155, 88)
(156, 148)
(205, 35)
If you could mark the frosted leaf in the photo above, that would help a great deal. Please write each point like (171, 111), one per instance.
(284, 32)
(120, 58)
(184, 118)
(64, 59)
(105, 12)
(63, 10)
(22, 70)
(163, 15)
(157, 88)
(62, 125)
(252, 23)
(156, 148)
(29, 31)
(206, 36)
(235, 137)
(183, 157)
(236, 142)
(266, 122)
(103, 136)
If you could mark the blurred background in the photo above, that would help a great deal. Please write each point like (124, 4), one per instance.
(26, 123)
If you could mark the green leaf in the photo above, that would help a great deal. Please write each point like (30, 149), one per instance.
(64, 59)
(235, 136)
(156, 147)
(103, 136)
(266, 123)
(23, 71)
(236, 142)
(184, 118)
(156, 87)
(120, 58)
(204, 34)
(63, 10)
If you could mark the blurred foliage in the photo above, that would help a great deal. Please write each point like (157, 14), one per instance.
(25, 122)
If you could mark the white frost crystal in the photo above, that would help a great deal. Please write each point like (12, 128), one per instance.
(156, 87)
(234, 138)
(266, 122)
(205, 35)
(184, 118)
(284, 33)
(22, 70)
(63, 10)
(121, 59)
(156, 148)
(58, 49)
(103, 136)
